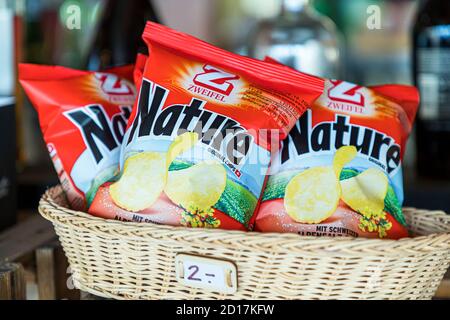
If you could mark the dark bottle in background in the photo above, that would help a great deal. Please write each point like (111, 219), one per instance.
(431, 58)
(8, 201)
(119, 33)
(8, 179)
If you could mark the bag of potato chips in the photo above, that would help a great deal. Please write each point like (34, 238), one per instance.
(83, 116)
(339, 172)
(198, 145)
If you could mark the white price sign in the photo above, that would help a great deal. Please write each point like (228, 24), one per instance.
(206, 273)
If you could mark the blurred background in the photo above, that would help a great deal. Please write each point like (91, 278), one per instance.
(363, 41)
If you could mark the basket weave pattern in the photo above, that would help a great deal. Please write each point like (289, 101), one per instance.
(137, 261)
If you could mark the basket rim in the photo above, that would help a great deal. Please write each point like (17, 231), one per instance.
(126, 228)
(355, 252)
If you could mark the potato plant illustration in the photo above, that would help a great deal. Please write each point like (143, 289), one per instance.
(366, 193)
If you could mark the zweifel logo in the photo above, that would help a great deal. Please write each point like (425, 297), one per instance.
(346, 92)
(113, 85)
(116, 89)
(214, 83)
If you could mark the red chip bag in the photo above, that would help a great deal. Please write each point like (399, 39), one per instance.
(83, 117)
(198, 146)
(141, 60)
(339, 172)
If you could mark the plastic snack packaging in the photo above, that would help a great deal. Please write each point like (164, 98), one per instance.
(83, 116)
(139, 67)
(339, 171)
(199, 140)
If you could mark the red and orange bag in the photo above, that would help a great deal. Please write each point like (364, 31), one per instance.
(203, 132)
(83, 117)
(198, 145)
(339, 172)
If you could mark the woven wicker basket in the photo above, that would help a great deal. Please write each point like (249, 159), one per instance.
(137, 261)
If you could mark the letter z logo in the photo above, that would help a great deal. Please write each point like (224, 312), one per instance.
(113, 85)
(216, 80)
(346, 92)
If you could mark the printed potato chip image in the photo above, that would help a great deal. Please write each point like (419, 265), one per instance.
(313, 195)
(163, 211)
(365, 192)
(199, 186)
(181, 144)
(143, 179)
(145, 175)
(343, 156)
